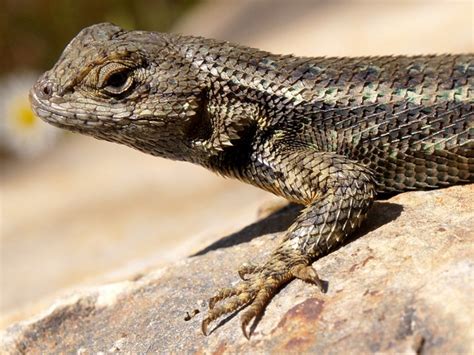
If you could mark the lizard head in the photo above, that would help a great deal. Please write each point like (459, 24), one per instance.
(130, 87)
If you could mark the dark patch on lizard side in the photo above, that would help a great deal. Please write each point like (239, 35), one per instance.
(237, 157)
(199, 127)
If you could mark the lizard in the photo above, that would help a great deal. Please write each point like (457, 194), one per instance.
(329, 133)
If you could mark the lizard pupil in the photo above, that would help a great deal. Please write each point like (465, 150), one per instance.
(118, 79)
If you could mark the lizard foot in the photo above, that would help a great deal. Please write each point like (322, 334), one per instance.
(257, 288)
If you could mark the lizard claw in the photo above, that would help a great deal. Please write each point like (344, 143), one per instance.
(256, 291)
(242, 298)
(259, 304)
(308, 273)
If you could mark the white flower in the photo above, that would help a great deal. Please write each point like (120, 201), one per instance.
(21, 132)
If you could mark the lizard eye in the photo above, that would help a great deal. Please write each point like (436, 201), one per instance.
(115, 79)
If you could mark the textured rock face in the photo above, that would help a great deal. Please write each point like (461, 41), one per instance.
(404, 285)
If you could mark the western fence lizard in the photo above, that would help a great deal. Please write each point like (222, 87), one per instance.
(327, 133)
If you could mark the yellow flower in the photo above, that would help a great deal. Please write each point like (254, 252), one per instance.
(21, 132)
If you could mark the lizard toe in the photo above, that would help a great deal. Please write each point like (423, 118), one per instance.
(307, 273)
(258, 305)
(227, 292)
(247, 269)
(243, 298)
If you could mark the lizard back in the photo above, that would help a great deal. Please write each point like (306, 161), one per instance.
(408, 118)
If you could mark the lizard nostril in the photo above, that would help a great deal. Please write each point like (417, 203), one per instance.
(46, 89)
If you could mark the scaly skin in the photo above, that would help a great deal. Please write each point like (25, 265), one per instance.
(328, 133)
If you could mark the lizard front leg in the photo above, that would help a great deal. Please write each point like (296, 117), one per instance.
(341, 193)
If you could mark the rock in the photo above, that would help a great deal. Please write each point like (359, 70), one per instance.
(404, 285)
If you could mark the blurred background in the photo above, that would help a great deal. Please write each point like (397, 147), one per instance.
(77, 211)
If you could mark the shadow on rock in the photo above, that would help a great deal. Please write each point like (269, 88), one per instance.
(381, 213)
(278, 221)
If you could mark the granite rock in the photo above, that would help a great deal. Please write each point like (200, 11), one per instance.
(404, 284)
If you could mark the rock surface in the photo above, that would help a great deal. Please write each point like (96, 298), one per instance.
(404, 285)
